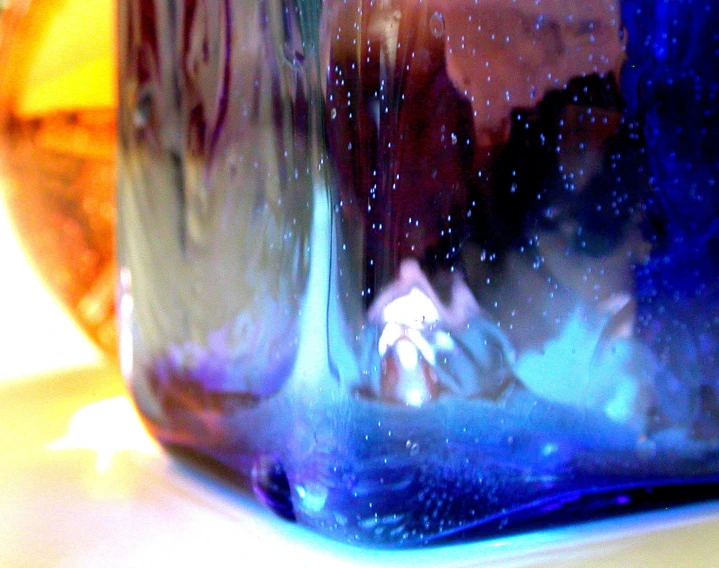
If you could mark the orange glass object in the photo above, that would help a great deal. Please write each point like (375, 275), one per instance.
(57, 149)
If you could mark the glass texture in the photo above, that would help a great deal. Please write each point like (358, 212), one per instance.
(426, 270)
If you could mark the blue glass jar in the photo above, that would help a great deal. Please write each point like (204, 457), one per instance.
(426, 270)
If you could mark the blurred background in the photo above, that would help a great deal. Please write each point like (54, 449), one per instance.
(37, 334)
(57, 160)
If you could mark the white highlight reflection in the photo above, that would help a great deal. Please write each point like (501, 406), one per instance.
(415, 397)
(106, 427)
(414, 309)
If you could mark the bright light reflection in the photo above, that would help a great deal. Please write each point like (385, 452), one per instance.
(393, 335)
(407, 353)
(414, 309)
(81, 32)
(415, 397)
(106, 427)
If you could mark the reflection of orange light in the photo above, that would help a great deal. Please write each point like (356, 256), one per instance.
(64, 56)
(106, 427)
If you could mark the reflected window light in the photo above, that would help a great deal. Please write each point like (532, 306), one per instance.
(106, 427)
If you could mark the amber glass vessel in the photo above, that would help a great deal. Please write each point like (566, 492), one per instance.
(57, 149)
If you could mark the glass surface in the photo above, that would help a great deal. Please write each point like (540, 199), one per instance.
(57, 150)
(424, 270)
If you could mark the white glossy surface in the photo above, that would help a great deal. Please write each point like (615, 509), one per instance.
(82, 485)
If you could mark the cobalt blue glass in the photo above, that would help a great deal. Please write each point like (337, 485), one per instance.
(424, 270)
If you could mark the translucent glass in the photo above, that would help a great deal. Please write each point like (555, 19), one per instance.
(425, 270)
(58, 147)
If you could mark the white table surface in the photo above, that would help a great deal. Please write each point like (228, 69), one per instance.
(83, 485)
